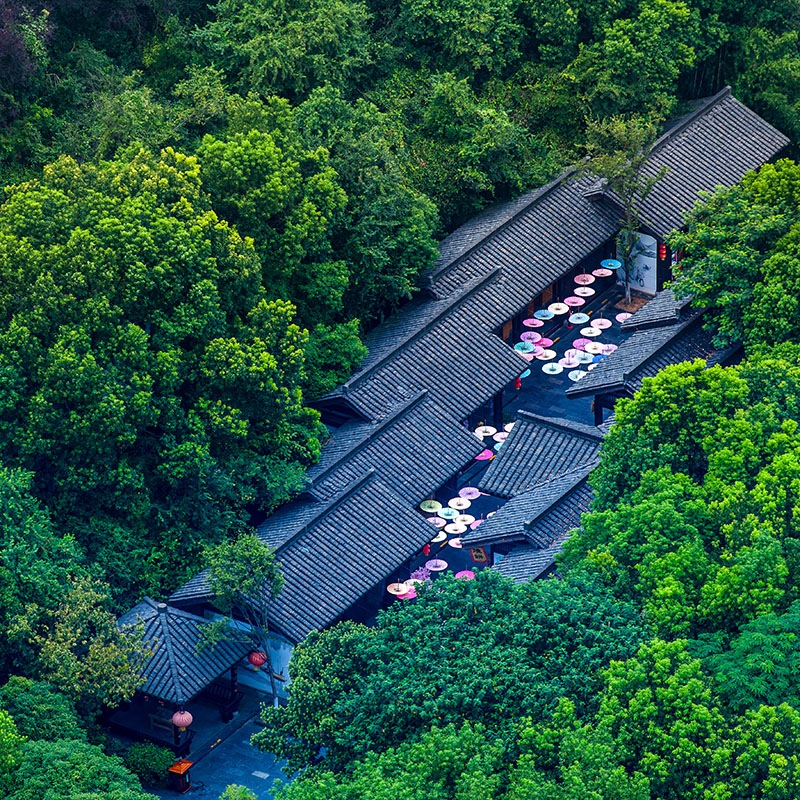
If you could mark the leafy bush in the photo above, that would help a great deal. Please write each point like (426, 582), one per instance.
(40, 711)
(149, 761)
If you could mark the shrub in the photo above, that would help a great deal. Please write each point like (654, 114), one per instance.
(149, 761)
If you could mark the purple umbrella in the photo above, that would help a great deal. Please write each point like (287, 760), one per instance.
(601, 323)
(568, 363)
(533, 323)
(580, 344)
(574, 302)
(530, 336)
(438, 522)
(469, 493)
(436, 564)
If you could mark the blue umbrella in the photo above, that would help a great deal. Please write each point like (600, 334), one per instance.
(543, 313)
(611, 263)
(524, 347)
(599, 358)
(525, 374)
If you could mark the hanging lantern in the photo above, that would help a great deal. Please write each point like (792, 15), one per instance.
(257, 659)
(182, 719)
(662, 252)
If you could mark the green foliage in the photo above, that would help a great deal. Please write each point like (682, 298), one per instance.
(148, 761)
(449, 763)
(10, 744)
(236, 792)
(71, 770)
(35, 565)
(761, 665)
(40, 711)
(332, 354)
(499, 651)
(289, 48)
(84, 653)
(150, 385)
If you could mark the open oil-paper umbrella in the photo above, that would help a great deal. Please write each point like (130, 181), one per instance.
(448, 513)
(584, 357)
(461, 503)
(574, 302)
(440, 537)
(545, 342)
(580, 344)
(576, 374)
(454, 527)
(584, 280)
(437, 522)
(622, 316)
(547, 355)
(568, 363)
(559, 308)
(532, 322)
(594, 348)
(484, 455)
(455, 543)
(579, 318)
(485, 430)
(608, 349)
(436, 564)
(469, 493)
(602, 323)
(430, 506)
(508, 427)
(464, 519)
(530, 336)
(584, 291)
(398, 588)
(524, 347)
(552, 369)
(590, 331)
(465, 575)
(602, 272)
(543, 314)
(611, 263)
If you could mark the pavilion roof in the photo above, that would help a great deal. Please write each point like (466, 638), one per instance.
(175, 671)
(525, 562)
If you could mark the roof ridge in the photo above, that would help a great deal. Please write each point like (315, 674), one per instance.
(166, 636)
(537, 195)
(327, 506)
(561, 423)
(691, 117)
(389, 419)
(447, 308)
(678, 327)
(581, 473)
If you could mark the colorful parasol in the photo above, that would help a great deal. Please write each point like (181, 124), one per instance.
(501, 436)
(398, 588)
(584, 357)
(476, 524)
(546, 355)
(603, 272)
(409, 595)
(568, 363)
(455, 527)
(574, 302)
(530, 336)
(601, 323)
(508, 427)
(558, 308)
(594, 348)
(437, 522)
(580, 344)
(533, 323)
(622, 316)
(545, 342)
(584, 291)
(448, 513)
(461, 503)
(611, 263)
(483, 431)
(544, 314)
(455, 543)
(464, 519)
(469, 493)
(608, 349)
(484, 455)
(524, 347)
(429, 506)
(436, 565)
(465, 575)
(440, 536)
(590, 331)
(521, 375)
(579, 318)
(576, 375)
(584, 280)
(552, 369)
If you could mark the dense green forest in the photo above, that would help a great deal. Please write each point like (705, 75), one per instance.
(203, 210)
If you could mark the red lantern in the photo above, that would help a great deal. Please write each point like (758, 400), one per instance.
(518, 383)
(182, 719)
(257, 659)
(662, 252)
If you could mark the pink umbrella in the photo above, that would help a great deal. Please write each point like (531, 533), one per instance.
(580, 344)
(436, 564)
(572, 352)
(602, 272)
(601, 323)
(621, 317)
(529, 356)
(500, 437)
(545, 342)
(484, 455)
(455, 543)
(574, 302)
(533, 323)
(584, 291)
(476, 524)
(568, 363)
(409, 595)
(608, 349)
(469, 493)
(439, 522)
(466, 575)
(530, 336)
(584, 280)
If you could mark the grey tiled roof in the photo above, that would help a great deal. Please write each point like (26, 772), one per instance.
(663, 309)
(540, 514)
(645, 354)
(536, 449)
(714, 146)
(415, 448)
(349, 545)
(526, 562)
(175, 672)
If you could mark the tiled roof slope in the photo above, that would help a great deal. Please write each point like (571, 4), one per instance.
(415, 449)
(456, 357)
(526, 562)
(715, 146)
(663, 309)
(352, 543)
(536, 449)
(175, 672)
(646, 353)
(541, 514)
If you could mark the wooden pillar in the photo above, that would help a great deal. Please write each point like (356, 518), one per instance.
(497, 410)
(597, 406)
(234, 679)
